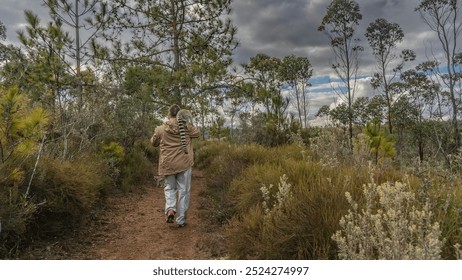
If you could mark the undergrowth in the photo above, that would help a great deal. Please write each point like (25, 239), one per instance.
(288, 202)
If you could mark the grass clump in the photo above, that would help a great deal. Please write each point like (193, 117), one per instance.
(68, 188)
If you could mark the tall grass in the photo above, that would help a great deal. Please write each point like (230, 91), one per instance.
(247, 182)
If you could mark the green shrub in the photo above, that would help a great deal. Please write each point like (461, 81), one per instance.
(113, 150)
(149, 151)
(301, 227)
(444, 189)
(136, 169)
(113, 154)
(21, 128)
(69, 188)
(16, 212)
(205, 152)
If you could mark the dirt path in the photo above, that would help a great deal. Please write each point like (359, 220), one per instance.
(132, 227)
(137, 229)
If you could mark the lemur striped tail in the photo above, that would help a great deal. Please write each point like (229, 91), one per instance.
(183, 117)
(181, 125)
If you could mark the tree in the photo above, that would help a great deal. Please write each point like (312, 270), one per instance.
(444, 18)
(381, 143)
(383, 38)
(367, 110)
(50, 79)
(48, 75)
(2, 31)
(339, 23)
(186, 37)
(263, 71)
(21, 126)
(420, 104)
(296, 72)
(86, 18)
(237, 99)
(6, 52)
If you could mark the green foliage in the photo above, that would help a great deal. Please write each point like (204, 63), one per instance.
(113, 154)
(380, 142)
(339, 23)
(296, 71)
(443, 188)
(196, 61)
(282, 204)
(69, 188)
(113, 150)
(16, 212)
(136, 169)
(2, 31)
(383, 38)
(218, 131)
(207, 152)
(21, 126)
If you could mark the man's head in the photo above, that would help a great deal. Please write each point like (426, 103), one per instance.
(173, 111)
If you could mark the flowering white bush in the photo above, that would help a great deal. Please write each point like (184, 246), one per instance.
(282, 195)
(390, 226)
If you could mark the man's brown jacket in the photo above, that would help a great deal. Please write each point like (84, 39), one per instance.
(172, 158)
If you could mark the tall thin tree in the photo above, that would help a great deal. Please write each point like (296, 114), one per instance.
(339, 23)
(86, 18)
(383, 37)
(296, 72)
(444, 17)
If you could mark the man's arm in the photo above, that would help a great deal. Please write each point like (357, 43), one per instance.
(194, 132)
(155, 139)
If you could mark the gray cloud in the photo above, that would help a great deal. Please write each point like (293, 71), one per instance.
(12, 15)
(282, 27)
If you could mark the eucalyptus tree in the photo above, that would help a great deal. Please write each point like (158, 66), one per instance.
(296, 72)
(188, 38)
(339, 23)
(263, 72)
(365, 110)
(383, 37)
(237, 100)
(444, 18)
(419, 105)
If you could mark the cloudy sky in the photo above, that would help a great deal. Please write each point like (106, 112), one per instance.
(282, 27)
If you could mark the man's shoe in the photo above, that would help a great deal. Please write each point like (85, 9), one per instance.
(181, 225)
(170, 216)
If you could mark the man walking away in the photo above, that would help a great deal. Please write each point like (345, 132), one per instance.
(175, 165)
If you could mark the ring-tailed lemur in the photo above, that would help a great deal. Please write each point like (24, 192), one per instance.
(183, 117)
